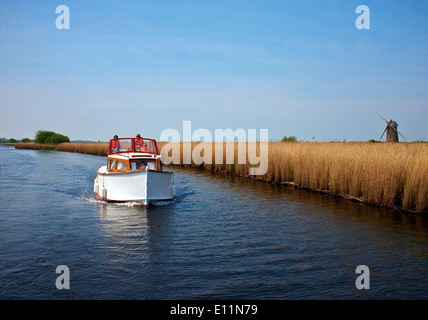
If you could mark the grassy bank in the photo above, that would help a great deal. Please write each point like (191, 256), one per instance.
(385, 174)
(394, 175)
(35, 146)
(94, 148)
(97, 149)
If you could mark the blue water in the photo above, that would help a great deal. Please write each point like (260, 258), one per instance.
(221, 238)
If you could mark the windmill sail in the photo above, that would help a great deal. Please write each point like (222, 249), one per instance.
(383, 133)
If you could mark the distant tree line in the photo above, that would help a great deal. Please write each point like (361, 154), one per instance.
(42, 136)
(12, 140)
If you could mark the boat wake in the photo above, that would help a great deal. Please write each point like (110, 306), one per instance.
(90, 199)
(124, 204)
(128, 203)
(161, 203)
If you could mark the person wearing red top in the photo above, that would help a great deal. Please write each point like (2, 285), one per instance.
(139, 143)
(115, 144)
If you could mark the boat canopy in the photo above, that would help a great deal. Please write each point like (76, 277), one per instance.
(135, 145)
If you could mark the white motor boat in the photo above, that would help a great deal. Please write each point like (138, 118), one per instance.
(134, 173)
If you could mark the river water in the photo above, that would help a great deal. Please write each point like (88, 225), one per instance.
(221, 238)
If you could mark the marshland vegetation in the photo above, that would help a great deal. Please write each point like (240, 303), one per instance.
(385, 174)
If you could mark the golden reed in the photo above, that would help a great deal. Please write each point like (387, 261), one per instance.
(34, 146)
(386, 174)
(94, 148)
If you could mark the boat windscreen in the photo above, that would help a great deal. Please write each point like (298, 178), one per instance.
(133, 145)
(120, 145)
(145, 145)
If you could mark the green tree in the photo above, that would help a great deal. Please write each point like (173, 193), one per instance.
(12, 140)
(42, 135)
(57, 138)
(289, 139)
(26, 140)
(50, 137)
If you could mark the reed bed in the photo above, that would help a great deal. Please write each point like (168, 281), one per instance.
(35, 146)
(385, 174)
(94, 148)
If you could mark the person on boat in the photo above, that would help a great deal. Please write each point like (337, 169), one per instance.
(139, 143)
(145, 148)
(115, 144)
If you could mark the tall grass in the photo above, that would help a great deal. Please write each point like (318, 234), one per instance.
(35, 146)
(98, 148)
(94, 148)
(386, 174)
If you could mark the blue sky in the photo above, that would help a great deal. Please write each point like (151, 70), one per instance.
(297, 67)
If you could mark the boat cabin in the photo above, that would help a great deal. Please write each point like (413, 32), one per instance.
(133, 154)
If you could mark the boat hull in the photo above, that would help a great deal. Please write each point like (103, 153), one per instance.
(138, 186)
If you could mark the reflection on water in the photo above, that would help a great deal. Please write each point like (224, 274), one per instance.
(264, 194)
(126, 224)
(222, 237)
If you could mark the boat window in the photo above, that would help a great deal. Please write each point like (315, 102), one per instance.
(151, 165)
(144, 145)
(121, 165)
(139, 164)
(112, 164)
(120, 145)
(125, 145)
(133, 145)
